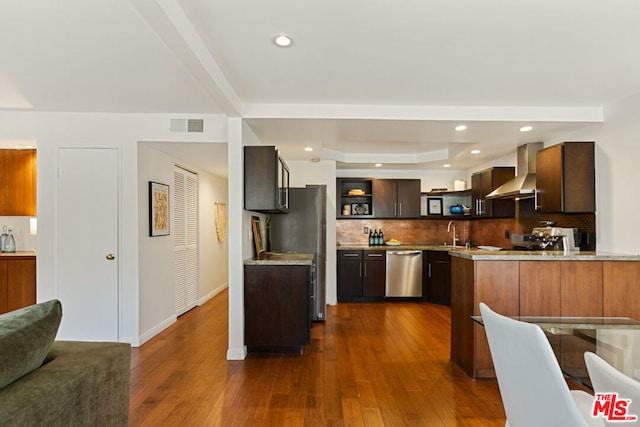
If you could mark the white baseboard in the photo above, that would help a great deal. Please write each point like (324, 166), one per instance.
(213, 293)
(157, 329)
(237, 353)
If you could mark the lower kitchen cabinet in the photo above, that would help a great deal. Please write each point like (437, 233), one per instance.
(17, 282)
(277, 304)
(361, 275)
(436, 277)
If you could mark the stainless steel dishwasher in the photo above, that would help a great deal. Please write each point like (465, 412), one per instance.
(403, 274)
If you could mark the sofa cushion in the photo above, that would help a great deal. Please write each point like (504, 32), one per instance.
(26, 336)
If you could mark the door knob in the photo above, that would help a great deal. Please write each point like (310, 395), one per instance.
(111, 257)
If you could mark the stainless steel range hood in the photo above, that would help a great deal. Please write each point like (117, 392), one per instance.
(524, 184)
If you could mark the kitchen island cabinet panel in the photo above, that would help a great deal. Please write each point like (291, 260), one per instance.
(568, 287)
(539, 288)
(620, 286)
(463, 306)
(496, 284)
(277, 307)
(581, 289)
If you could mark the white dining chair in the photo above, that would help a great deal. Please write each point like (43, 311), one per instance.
(533, 389)
(607, 379)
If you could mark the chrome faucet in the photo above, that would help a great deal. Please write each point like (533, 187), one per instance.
(449, 227)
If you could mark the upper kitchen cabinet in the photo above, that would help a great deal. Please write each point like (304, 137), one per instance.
(354, 197)
(266, 180)
(396, 198)
(18, 178)
(483, 183)
(566, 179)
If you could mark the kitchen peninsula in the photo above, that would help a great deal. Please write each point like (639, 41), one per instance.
(537, 283)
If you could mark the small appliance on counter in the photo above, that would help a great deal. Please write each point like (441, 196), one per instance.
(552, 238)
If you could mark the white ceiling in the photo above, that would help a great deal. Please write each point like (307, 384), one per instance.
(363, 82)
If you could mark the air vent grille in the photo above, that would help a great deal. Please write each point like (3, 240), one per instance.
(187, 125)
(195, 125)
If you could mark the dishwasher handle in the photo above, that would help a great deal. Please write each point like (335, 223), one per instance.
(404, 252)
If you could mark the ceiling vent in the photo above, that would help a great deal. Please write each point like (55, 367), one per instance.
(187, 125)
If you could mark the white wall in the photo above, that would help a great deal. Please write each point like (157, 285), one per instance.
(121, 131)
(213, 256)
(156, 254)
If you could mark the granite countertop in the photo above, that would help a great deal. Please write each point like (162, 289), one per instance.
(282, 258)
(505, 255)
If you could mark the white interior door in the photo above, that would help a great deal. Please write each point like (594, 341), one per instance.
(185, 238)
(87, 243)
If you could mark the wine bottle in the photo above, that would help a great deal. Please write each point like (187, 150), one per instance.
(375, 238)
(370, 237)
(381, 237)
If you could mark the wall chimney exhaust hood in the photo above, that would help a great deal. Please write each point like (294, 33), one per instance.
(524, 184)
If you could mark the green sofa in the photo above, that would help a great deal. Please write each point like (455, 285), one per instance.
(59, 383)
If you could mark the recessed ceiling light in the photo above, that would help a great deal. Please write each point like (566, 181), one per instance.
(475, 151)
(525, 128)
(378, 165)
(308, 149)
(282, 40)
(461, 128)
(446, 165)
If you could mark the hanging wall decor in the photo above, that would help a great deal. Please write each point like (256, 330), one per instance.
(158, 209)
(221, 221)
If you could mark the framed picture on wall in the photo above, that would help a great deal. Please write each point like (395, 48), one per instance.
(158, 209)
(434, 206)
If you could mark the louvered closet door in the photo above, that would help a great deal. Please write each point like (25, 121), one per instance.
(185, 234)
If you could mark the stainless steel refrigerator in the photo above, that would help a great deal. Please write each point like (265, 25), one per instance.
(304, 229)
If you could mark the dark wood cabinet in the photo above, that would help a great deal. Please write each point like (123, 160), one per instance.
(361, 275)
(277, 306)
(396, 198)
(436, 277)
(18, 177)
(483, 183)
(266, 180)
(354, 197)
(17, 282)
(565, 178)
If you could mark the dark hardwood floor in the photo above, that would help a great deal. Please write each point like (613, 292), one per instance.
(378, 364)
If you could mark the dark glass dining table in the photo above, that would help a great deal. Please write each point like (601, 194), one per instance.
(615, 339)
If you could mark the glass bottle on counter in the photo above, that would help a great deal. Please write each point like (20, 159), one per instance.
(370, 237)
(381, 238)
(10, 243)
(375, 238)
(3, 238)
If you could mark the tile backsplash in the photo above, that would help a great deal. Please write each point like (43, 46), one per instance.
(486, 231)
